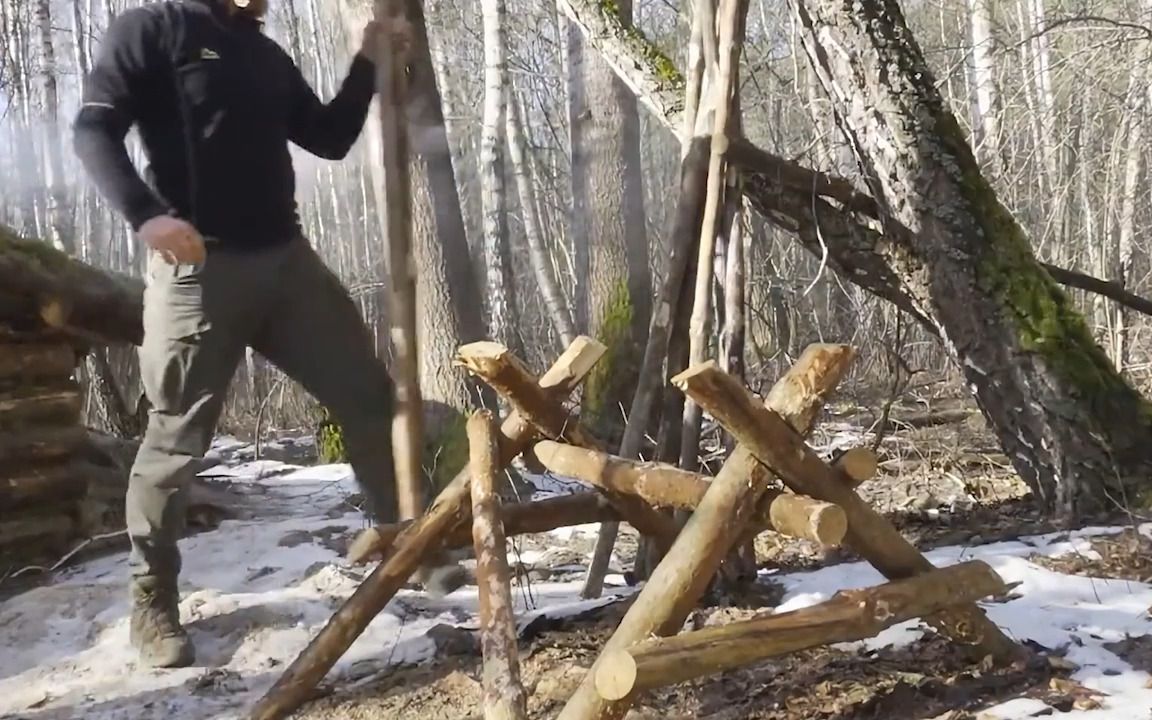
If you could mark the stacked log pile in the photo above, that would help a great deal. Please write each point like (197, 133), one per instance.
(52, 309)
(42, 480)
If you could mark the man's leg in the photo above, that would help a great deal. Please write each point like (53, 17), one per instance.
(189, 353)
(317, 337)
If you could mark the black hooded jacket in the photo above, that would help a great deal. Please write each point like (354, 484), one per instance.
(216, 103)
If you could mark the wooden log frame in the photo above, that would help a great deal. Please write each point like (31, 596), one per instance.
(59, 482)
(849, 616)
(768, 436)
(659, 484)
(497, 367)
(34, 445)
(682, 576)
(297, 682)
(504, 697)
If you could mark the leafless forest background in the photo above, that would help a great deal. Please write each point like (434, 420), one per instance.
(1053, 93)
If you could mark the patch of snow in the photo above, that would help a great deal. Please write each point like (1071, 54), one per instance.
(255, 592)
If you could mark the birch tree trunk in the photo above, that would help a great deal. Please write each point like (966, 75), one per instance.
(59, 208)
(985, 102)
(503, 326)
(550, 291)
(1075, 431)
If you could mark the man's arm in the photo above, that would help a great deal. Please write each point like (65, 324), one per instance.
(329, 130)
(116, 86)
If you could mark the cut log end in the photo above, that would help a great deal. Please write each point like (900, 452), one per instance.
(803, 517)
(859, 465)
(615, 675)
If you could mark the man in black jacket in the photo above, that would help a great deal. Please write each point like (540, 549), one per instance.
(216, 103)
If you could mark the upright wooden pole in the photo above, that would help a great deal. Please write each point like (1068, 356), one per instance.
(407, 425)
(504, 697)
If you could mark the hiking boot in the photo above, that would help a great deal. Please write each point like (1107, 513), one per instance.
(155, 629)
(442, 580)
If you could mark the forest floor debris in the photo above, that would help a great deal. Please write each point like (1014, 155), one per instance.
(256, 589)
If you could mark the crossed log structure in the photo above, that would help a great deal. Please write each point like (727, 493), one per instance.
(815, 500)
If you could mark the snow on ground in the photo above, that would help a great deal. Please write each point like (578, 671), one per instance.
(255, 592)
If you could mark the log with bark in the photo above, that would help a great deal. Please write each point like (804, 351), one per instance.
(668, 486)
(41, 287)
(682, 576)
(58, 405)
(769, 437)
(497, 367)
(31, 446)
(26, 360)
(35, 485)
(504, 697)
(849, 616)
(425, 535)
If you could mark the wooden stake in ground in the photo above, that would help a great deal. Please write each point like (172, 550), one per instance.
(420, 538)
(768, 436)
(849, 616)
(680, 579)
(504, 697)
(407, 423)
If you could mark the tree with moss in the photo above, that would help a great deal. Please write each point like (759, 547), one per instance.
(614, 283)
(1074, 429)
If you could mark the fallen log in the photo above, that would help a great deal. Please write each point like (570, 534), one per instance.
(667, 486)
(424, 535)
(46, 529)
(504, 697)
(849, 616)
(41, 287)
(681, 577)
(499, 369)
(773, 442)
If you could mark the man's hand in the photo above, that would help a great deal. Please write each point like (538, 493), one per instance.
(376, 38)
(177, 242)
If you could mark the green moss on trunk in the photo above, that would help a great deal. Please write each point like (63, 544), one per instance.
(329, 440)
(446, 452)
(615, 373)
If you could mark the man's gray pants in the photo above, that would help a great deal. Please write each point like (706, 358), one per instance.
(198, 320)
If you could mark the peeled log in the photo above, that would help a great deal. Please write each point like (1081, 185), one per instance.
(27, 406)
(25, 362)
(41, 287)
(681, 577)
(849, 616)
(771, 439)
(504, 697)
(497, 367)
(417, 540)
(671, 487)
(35, 445)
